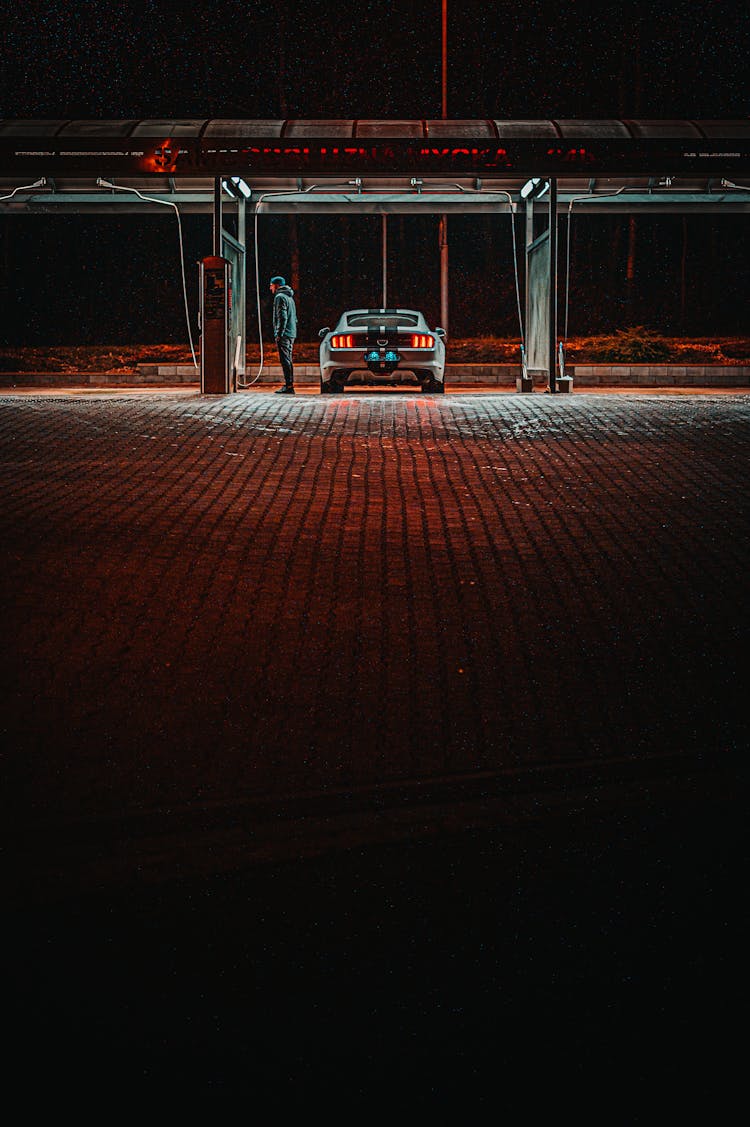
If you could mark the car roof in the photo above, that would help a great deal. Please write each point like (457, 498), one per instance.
(374, 313)
(388, 312)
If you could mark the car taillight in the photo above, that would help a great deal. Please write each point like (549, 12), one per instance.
(342, 341)
(422, 341)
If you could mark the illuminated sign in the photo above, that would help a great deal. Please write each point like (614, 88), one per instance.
(248, 158)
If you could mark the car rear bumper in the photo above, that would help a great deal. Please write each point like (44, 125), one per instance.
(352, 360)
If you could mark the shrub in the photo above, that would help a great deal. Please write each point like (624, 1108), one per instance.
(736, 349)
(636, 345)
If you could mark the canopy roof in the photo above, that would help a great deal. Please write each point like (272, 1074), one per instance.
(375, 165)
(248, 129)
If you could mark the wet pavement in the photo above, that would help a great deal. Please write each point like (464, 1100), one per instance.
(373, 728)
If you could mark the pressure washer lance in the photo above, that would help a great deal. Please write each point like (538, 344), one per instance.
(524, 368)
(561, 359)
(236, 365)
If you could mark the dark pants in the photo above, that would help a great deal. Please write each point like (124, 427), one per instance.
(285, 346)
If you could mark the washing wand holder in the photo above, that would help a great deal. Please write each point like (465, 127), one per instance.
(524, 382)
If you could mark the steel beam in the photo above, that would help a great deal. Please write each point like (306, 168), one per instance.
(426, 202)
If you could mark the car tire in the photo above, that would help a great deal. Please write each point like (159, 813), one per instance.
(432, 386)
(335, 385)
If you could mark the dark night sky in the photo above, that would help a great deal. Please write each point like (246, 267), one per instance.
(530, 59)
(377, 59)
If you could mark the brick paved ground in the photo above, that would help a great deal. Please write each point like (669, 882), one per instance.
(253, 632)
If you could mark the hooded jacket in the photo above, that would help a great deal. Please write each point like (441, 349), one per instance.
(284, 313)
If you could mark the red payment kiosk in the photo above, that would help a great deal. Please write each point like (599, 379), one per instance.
(215, 320)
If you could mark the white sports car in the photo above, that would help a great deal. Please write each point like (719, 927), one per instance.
(380, 345)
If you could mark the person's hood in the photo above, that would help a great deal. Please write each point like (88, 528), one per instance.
(286, 289)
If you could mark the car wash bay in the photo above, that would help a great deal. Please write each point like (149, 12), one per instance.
(373, 730)
(381, 167)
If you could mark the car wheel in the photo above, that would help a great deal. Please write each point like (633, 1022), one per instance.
(335, 385)
(432, 386)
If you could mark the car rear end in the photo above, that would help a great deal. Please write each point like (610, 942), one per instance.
(384, 351)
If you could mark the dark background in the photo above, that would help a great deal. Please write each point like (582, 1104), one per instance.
(78, 280)
(617, 952)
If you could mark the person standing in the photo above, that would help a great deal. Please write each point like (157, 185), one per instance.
(284, 330)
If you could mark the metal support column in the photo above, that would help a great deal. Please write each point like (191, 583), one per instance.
(529, 233)
(525, 379)
(444, 272)
(233, 251)
(537, 304)
(552, 325)
(241, 296)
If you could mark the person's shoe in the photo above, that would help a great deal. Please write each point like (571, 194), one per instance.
(285, 390)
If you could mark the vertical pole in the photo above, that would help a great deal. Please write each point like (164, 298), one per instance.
(529, 241)
(552, 284)
(525, 381)
(443, 231)
(217, 248)
(242, 295)
(384, 251)
(444, 63)
(444, 271)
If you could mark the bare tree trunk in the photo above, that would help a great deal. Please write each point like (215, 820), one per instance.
(713, 259)
(614, 271)
(294, 252)
(683, 275)
(487, 235)
(630, 266)
(631, 43)
(401, 285)
(344, 260)
(5, 278)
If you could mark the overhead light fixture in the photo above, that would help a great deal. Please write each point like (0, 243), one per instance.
(247, 193)
(534, 188)
(229, 188)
